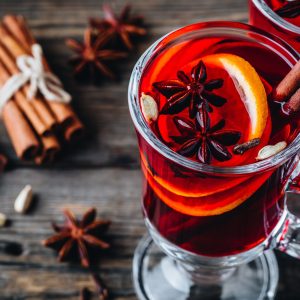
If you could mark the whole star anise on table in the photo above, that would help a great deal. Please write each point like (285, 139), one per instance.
(190, 91)
(78, 237)
(92, 55)
(289, 10)
(123, 26)
(202, 139)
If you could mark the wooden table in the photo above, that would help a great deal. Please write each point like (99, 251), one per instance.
(103, 171)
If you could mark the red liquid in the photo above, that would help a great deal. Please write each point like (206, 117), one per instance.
(278, 4)
(258, 19)
(205, 213)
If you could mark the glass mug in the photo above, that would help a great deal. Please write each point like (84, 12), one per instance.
(262, 16)
(223, 252)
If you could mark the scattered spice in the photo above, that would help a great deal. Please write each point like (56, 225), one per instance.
(11, 248)
(289, 10)
(190, 91)
(149, 107)
(82, 235)
(24, 200)
(124, 27)
(3, 220)
(91, 54)
(270, 150)
(242, 148)
(202, 139)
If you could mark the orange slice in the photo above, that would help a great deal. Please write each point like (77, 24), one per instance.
(211, 205)
(194, 186)
(249, 86)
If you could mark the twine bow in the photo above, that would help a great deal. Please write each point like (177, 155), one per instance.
(32, 71)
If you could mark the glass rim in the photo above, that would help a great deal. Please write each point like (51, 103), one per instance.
(143, 128)
(270, 14)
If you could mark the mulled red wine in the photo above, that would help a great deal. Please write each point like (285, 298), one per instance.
(213, 108)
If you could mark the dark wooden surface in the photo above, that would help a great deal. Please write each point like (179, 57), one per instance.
(103, 172)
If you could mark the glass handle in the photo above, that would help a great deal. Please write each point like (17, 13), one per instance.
(289, 240)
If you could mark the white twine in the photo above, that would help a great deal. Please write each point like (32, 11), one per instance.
(32, 71)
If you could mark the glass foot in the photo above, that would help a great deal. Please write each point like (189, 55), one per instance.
(157, 277)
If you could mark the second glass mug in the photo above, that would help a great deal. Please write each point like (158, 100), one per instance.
(262, 16)
(216, 255)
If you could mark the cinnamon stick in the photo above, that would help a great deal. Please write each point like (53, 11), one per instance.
(23, 103)
(41, 143)
(292, 106)
(12, 25)
(64, 113)
(41, 114)
(51, 147)
(74, 131)
(21, 134)
(289, 85)
(22, 137)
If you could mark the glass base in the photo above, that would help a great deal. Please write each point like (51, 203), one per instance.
(158, 277)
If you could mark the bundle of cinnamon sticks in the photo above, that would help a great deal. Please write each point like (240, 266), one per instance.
(37, 127)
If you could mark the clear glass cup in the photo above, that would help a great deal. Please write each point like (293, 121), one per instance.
(214, 255)
(262, 16)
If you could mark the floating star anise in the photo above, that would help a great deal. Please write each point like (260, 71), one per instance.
(289, 10)
(92, 55)
(203, 140)
(78, 237)
(123, 26)
(190, 91)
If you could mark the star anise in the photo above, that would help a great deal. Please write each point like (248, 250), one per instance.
(123, 26)
(78, 236)
(190, 91)
(204, 140)
(91, 54)
(289, 10)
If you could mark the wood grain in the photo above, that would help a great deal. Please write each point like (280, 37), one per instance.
(102, 172)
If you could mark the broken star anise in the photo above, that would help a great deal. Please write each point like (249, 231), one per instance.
(91, 55)
(77, 237)
(203, 140)
(289, 10)
(123, 26)
(190, 91)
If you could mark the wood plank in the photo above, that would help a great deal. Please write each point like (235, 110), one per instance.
(36, 273)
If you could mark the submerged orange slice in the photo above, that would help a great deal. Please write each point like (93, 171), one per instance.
(211, 205)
